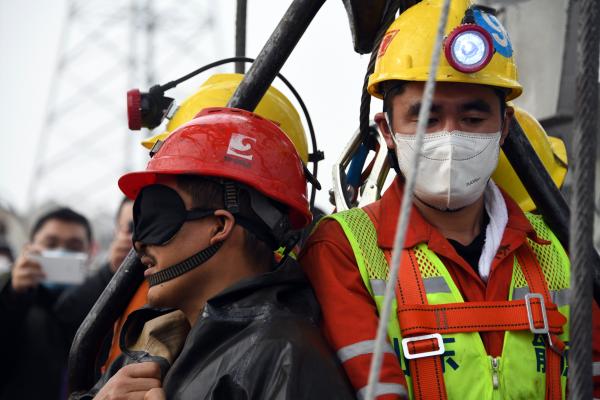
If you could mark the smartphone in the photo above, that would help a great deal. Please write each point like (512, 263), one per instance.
(61, 268)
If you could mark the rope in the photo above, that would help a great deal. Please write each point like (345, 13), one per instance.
(582, 202)
(406, 206)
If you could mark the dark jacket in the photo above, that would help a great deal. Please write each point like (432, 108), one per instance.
(258, 339)
(36, 330)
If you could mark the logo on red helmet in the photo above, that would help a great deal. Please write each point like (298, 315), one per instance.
(240, 146)
(239, 150)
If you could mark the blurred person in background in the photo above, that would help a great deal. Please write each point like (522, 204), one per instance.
(121, 243)
(77, 301)
(35, 343)
(39, 318)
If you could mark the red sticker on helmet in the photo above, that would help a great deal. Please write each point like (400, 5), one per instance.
(385, 42)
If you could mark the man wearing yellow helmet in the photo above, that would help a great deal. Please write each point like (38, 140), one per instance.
(481, 308)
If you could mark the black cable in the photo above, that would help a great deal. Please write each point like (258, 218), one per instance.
(316, 154)
(313, 139)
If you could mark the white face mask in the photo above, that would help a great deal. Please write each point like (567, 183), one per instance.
(454, 167)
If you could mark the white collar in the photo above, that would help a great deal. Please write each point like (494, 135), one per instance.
(495, 206)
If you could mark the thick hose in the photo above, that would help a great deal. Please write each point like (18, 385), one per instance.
(582, 200)
(274, 53)
(406, 207)
(365, 100)
(100, 320)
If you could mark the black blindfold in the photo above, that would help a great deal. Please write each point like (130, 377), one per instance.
(159, 213)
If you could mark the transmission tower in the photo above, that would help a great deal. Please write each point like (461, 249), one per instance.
(106, 48)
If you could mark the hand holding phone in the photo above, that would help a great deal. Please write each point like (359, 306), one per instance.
(26, 273)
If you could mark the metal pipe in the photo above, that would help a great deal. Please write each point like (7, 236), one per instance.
(100, 320)
(240, 34)
(538, 182)
(582, 200)
(274, 53)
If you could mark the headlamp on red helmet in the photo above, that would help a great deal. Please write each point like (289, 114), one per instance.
(469, 48)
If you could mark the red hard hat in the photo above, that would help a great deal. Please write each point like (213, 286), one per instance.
(232, 144)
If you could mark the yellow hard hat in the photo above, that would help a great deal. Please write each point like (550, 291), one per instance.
(484, 49)
(550, 150)
(217, 91)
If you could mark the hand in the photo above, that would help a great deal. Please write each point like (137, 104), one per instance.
(119, 248)
(155, 394)
(133, 382)
(26, 273)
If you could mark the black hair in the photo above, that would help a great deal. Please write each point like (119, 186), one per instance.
(63, 214)
(390, 90)
(208, 193)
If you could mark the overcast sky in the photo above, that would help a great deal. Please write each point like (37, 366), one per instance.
(324, 68)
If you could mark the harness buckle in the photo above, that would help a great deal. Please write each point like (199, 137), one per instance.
(441, 349)
(545, 329)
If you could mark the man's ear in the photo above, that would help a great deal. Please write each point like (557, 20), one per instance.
(509, 114)
(224, 227)
(385, 129)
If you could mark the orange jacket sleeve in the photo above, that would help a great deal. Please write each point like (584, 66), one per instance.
(349, 313)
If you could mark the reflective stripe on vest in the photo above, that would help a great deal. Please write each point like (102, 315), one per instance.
(469, 372)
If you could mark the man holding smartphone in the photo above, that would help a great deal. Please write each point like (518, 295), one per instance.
(61, 231)
(36, 326)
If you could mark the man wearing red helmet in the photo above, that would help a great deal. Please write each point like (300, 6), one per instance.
(226, 320)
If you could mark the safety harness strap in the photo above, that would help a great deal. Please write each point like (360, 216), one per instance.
(426, 372)
(554, 346)
(416, 316)
(481, 316)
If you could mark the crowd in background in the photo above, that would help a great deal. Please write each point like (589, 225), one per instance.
(40, 311)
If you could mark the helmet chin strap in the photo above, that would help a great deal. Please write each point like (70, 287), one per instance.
(184, 266)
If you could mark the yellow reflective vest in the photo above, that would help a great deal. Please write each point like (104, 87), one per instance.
(469, 372)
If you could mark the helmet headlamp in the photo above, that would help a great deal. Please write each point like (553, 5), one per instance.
(468, 48)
